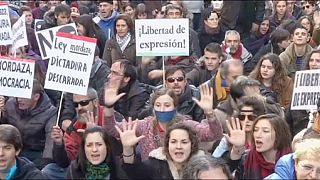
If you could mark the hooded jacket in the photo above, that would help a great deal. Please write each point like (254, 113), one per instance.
(49, 19)
(107, 24)
(26, 170)
(35, 125)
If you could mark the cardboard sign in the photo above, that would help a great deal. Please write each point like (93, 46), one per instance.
(306, 92)
(19, 31)
(162, 37)
(46, 37)
(70, 65)
(16, 77)
(5, 25)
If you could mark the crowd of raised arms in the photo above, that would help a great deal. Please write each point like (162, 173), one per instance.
(222, 112)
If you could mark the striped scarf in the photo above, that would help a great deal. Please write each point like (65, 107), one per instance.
(123, 42)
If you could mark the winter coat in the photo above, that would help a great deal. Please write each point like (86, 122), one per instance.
(209, 130)
(297, 120)
(157, 166)
(112, 52)
(35, 125)
(284, 168)
(108, 24)
(26, 170)
(49, 19)
(288, 59)
(199, 75)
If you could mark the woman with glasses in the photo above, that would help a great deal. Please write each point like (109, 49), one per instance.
(270, 138)
(164, 102)
(271, 74)
(250, 108)
(302, 164)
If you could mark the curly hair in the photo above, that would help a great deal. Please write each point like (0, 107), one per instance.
(279, 78)
(192, 137)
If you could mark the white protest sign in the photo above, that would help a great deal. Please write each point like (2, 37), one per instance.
(162, 37)
(46, 37)
(19, 31)
(70, 65)
(306, 90)
(5, 25)
(16, 77)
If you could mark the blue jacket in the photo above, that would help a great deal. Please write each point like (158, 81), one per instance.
(284, 168)
(107, 25)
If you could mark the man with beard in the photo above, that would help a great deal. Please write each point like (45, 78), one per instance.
(177, 81)
(106, 17)
(234, 49)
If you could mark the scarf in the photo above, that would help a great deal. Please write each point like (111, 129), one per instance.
(211, 31)
(222, 89)
(100, 171)
(123, 42)
(255, 167)
(237, 54)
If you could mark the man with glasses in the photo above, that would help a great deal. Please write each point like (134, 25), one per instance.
(176, 80)
(34, 117)
(123, 78)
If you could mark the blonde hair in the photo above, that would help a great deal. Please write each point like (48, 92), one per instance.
(307, 149)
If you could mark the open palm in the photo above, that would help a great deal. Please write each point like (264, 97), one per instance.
(206, 101)
(237, 135)
(111, 95)
(128, 133)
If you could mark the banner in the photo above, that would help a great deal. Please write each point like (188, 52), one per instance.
(70, 65)
(19, 31)
(5, 25)
(162, 37)
(306, 92)
(16, 77)
(46, 37)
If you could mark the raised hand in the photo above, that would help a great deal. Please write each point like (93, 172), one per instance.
(91, 121)
(316, 17)
(237, 135)
(111, 95)
(128, 133)
(206, 99)
(57, 135)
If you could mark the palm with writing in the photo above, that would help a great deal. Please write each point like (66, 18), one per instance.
(237, 135)
(128, 133)
(206, 101)
(111, 95)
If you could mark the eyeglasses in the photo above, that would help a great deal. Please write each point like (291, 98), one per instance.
(172, 79)
(307, 168)
(251, 117)
(83, 102)
(307, 6)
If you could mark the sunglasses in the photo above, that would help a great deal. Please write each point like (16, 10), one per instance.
(251, 117)
(172, 79)
(306, 6)
(83, 102)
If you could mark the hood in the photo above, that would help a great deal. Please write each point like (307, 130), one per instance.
(107, 20)
(43, 104)
(49, 18)
(24, 168)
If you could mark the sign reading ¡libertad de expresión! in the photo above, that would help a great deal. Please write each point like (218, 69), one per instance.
(162, 37)
(70, 64)
(306, 92)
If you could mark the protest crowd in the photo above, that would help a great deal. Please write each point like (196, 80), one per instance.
(138, 89)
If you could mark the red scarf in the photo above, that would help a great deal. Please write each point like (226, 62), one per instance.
(256, 167)
(236, 55)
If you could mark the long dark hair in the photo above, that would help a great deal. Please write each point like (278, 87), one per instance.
(91, 28)
(82, 158)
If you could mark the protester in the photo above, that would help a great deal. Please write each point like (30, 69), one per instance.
(12, 166)
(167, 162)
(141, 11)
(207, 66)
(210, 30)
(234, 49)
(272, 75)
(165, 103)
(129, 10)
(61, 15)
(302, 164)
(206, 167)
(122, 45)
(95, 159)
(34, 118)
(86, 27)
(28, 13)
(106, 17)
(280, 14)
(228, 71)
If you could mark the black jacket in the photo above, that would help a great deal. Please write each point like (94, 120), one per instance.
(27, 170)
